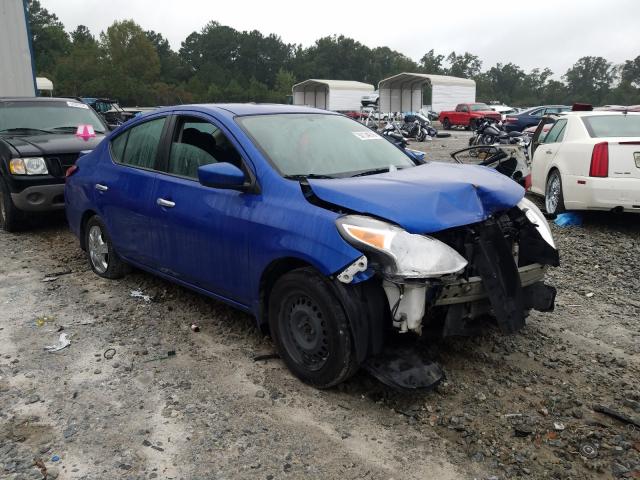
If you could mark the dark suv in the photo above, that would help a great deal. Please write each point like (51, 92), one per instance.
(40, 138)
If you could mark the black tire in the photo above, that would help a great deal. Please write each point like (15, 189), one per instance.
(553, 195)
(11, 218)
(473, 124)
(446, 124)
(113, 266)
(310, 329)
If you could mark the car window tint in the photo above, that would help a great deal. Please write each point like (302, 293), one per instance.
(142, 145)
(602, 126)
(117, 146)
(197, 142)
(556, 133)
(536, 113)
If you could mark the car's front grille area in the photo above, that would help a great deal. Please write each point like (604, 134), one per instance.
(58, 164)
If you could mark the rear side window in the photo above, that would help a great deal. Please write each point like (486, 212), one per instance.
(556, 134)
(621, 125)
(138, 146)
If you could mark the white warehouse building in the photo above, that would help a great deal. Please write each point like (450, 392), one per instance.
(336, 95)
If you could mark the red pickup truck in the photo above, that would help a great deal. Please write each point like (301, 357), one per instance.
(467, 114)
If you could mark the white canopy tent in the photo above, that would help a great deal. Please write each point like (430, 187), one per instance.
(337, 95)
(43, 84)
(403, 92)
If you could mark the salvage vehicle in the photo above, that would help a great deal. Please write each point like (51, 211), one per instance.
(508, 159)
(319, 227)
(531, 117)
(467, 115)
(39, 139)
(587, 161)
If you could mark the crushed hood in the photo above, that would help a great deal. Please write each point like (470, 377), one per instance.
(424, 199)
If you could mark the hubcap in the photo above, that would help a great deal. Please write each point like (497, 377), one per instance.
(304, 332)
(552, 196)
(98, 249)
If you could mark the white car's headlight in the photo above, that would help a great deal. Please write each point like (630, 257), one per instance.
(407, 255)
(28, 166)
(535, 216)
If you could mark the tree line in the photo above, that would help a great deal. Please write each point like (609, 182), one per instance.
(219, 63)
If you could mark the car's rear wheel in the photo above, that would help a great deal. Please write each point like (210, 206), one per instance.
(446, 124)
(103, 259)
(11, 218)
(553, 196)
(310, 329)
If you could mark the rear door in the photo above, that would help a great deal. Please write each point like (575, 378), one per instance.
(123, 191)
(544, 154)
(201, 232)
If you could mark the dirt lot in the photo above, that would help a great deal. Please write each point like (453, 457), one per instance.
(172, 403)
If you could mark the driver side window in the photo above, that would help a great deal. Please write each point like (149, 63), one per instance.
(197, 142)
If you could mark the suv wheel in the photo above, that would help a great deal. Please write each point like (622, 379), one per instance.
(310, 329)
(10, 217)
(103, 259)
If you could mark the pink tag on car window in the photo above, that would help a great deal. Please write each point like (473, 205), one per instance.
(85, 132)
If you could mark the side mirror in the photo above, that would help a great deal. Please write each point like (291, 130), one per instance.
(222, 175)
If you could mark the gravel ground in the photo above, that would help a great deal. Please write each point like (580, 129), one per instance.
(140, 395)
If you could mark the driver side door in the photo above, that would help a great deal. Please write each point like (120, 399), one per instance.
(201, 232)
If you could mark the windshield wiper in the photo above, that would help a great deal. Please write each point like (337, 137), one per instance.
(72, 129)
(309, 175)
(23, 129)
(374, 171)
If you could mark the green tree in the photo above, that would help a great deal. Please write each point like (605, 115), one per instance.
(432, 63)
(132, 61)
(589, 80)
(49, 39)
(82, 73)
(465, 65)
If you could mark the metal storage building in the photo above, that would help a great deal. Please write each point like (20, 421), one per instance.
(17, 78)
(403, 92)
(336, 95)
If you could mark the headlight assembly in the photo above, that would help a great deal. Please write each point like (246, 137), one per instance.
(28, 166)
(403, 254)
(535, 216)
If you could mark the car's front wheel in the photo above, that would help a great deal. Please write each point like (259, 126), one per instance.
(446, 124)
(553, 196)
(310, 329)
(103, 259)
(11, 218)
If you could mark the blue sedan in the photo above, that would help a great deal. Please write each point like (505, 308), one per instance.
(531, 117)
(332, 237)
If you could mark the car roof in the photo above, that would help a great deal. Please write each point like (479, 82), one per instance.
(598, 113)
(241, 109)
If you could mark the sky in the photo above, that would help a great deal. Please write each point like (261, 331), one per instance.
(539, 33)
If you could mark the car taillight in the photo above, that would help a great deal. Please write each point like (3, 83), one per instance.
(600, 160)
(511, 119)
(70, 171)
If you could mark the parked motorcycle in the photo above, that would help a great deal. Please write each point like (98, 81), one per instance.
(395, 135)
(418, 127)
(490, 132)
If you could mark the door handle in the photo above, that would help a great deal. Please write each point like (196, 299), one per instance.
(165, 203)
(101, 188)
(548, 152)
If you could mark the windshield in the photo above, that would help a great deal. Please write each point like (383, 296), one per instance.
(480, 107)
(613, 125)
(322, 145)
(27, 117)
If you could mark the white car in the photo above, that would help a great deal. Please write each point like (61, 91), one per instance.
(588, 161)
(370, 99)
(503, 110)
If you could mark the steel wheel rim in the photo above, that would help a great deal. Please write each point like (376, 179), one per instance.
(552, 197)
(98, 249)
(304, 332)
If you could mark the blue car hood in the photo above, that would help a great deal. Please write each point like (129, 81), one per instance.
(424, 199)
